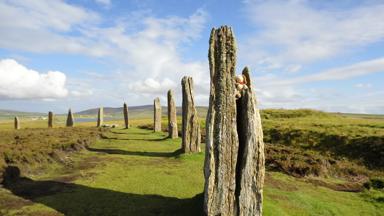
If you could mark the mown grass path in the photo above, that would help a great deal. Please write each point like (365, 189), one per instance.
(138, 172)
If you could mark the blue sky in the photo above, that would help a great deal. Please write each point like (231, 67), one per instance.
(56, 54)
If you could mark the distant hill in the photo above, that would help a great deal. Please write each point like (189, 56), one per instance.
(10, 114)
(114, 110)
(144, 111)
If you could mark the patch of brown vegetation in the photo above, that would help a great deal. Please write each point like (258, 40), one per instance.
(275, 183)
(300, 162)
(346, 187)
(38, 146)
(13, 202)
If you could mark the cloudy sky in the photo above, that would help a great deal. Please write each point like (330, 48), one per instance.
(56, 54)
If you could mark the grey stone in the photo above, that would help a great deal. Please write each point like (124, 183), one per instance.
(100, 117)
(234, 160)
(250, 169)
(126, 120)
(190, 122)
(157, 115)
(50, 119)
(172, 118)
(17, 123)
(70, 119)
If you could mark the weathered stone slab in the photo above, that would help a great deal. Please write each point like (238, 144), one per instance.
(157, 115)
(126, 120)
(222, 141)
(70, 119)
(50, 119)
(17, 123)
(172, 118)
(234, 162)
(190, 122)
(250, 161)
(100, 117)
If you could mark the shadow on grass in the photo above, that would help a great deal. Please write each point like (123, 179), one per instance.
(135, 133)
(73, 199)
(134, 139)
(137, 153)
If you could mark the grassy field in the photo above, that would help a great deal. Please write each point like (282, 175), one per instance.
(138, 172)
(311, 170)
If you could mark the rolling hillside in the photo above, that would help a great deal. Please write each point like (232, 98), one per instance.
(144, 111)
(10, 114)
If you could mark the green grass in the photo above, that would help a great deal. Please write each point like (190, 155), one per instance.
(286, 195)
(138, 172)
(358, 138)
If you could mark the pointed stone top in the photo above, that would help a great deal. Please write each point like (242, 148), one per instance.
(247, 77)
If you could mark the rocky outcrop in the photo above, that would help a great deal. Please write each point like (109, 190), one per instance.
(125, 112)
(100, 117)
(157, 115)
(234, 160)
(50, 119)
(172, 118)
(190, 121)
(70, 119)
(17, 123)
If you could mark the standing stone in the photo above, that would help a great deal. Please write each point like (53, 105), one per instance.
(100, 117)
(222, 141)
(70, 119)
(234, 160)
(157, 115)
(250, 169)
(190, 120)
(17, 123)
(172, 119)
(125, 111)
(50, 119)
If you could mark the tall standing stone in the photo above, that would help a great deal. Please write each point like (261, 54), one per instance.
(100, 117)
(17, 123)
(125, 111)
(172, 118)
(50, 119)
(250, 169)
(234, 160)
(70, 119)
(156, 115)
(190, 121)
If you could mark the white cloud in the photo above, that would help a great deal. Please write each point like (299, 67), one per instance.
(151, 57)
(19, 82)
(274, 91)
(340, 73)
(296, 32)
(152, 86)
(106, 3)
(146, 48)
(45, 26)
(363, 85)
